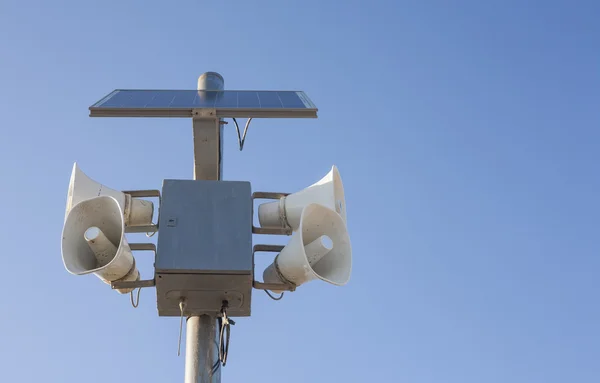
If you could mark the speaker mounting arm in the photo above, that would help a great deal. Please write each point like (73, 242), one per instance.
(266, 230)
(270, 286)
(137, 284)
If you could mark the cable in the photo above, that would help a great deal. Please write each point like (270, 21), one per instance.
(217, 364)
(272, 297)
(224, 326)
(215, 368)
(181, 308)
(242, 138)
(135, 305)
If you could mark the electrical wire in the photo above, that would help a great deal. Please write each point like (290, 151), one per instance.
(135, 304)
(217, 364)
(215, 368)
(272, 297)
(242, 137)
(181, 309)
(224, 327)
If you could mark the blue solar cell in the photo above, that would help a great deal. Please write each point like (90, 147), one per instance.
(160, 100)
(248, 100)
(269, 100)
(116, 100)
(135, 99)
(290, 100)
(227, 100)
(180, 100)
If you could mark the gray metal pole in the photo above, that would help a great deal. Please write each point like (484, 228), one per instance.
(201, 353)
(201, 350)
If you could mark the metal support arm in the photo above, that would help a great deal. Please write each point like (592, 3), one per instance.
(270, 286)
(153, 228)
(268, 230)
(207, 148)
(136, 284)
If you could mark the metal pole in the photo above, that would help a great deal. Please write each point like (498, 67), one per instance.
(201, 350)
(201, 353)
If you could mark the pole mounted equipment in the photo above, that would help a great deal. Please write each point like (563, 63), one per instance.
(204, 251)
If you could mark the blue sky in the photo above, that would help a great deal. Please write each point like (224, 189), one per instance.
(466, 134)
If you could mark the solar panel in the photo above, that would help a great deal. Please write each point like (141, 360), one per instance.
(227, 103)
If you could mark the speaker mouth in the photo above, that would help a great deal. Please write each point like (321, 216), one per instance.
(103, 213)
(309, 256)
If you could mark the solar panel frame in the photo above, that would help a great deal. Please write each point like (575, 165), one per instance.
(296, 105)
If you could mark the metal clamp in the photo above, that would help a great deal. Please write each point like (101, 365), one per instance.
(270, 286)
(268, 230)
(135, 284)
(208, 113)
(153, 228)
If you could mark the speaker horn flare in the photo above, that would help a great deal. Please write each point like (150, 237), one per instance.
(137, 212)
(93, 242)
(309, 256)
(328, 191)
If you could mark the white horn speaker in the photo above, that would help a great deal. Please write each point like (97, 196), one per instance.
(93, 241)
(329, 192)
(136, 211)
(319, 249)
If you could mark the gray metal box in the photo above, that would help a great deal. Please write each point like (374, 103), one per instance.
(204, 250)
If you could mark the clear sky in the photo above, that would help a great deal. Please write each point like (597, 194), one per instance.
(466, 134)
